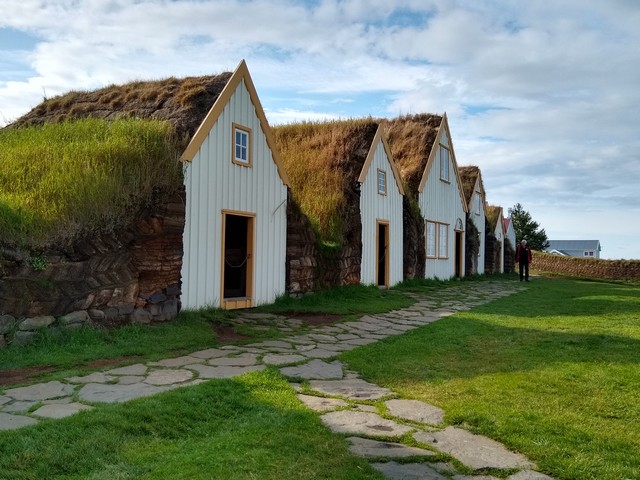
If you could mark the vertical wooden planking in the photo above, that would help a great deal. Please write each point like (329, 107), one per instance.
(374, 207)
(214, 184)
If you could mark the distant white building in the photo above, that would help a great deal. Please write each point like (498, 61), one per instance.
(575, 248)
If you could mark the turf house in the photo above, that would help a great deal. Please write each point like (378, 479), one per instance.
(345, 222)
(99, 232)
(421, 146)
(476, 207)
(495, 240)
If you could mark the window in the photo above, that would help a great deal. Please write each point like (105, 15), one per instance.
(443, 240)
(382, 182)
(588, 254)
(444, 163)
(431, 239)
(241, 145)
(437, 240)
(478, 203)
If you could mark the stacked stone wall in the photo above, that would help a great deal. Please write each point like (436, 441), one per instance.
(115, 278)
(587, 267)
(509, 257)
(413, 241)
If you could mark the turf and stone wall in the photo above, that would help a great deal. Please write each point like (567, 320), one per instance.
(115, 278)
(586, 267)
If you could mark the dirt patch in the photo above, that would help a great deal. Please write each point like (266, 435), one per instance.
(311, 318)
(108, 362)
(226, 334)
(22, 375)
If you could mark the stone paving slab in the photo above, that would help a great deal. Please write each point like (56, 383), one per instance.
(11, 422)
(364, 447)
(321, 404)
(282, 358)
(319, 353)
(136, 369)
(60, 411)
(168, 377)
(209, 372)
(176, 362)
(19, 406)
(408, 471)
(130, 379)
(4, 400)
(209, 353)
(315, 369)
(416, 411)
(529, 475)
(100, 393)
(40, 391)
(242, 360)
(355, 389)
(96, 377)
(363, 423)
(474, 451)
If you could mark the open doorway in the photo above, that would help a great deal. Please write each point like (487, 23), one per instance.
(459, 255)
(237, 260)
(382, 249)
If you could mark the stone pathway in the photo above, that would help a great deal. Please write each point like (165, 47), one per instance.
(374, 419)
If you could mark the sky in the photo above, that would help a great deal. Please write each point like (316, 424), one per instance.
(542, 95)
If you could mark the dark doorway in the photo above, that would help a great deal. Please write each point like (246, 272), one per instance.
(459, 255)
(237, 261)
(383, 254)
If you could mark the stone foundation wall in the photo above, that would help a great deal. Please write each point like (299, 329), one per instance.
(587, 267)
(509, 257)
(310, 268)
(119, 278)
(492, 254)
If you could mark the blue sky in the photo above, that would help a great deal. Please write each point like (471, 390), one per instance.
(542, 96)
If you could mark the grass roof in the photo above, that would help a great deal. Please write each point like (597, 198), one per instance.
(323, 161)
(89, 161)
(469, 176)
(182, 102)
(410, 139)
(493, 215)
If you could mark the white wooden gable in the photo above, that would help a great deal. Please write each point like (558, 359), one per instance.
(381, 195)
(444, 208)
(217, 186)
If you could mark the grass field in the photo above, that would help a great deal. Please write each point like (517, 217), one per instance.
(553, 372)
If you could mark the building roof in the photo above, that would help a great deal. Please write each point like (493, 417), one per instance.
(469, 176)
(494, 214)
(574, 245)
(183, 102)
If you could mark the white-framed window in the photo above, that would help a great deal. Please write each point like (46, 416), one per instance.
(444, 163)
(443, 240)
(241, 145)
(588, 254)
(382, 182)
(437, 240)
(478, 203)
(431, 239)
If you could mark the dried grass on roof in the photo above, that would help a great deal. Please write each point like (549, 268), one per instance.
(493, 215)
(183, 102)
(410, 139)
(468, 177)
(323, 161)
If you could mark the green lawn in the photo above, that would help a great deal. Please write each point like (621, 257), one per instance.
(251, 427)
(553, 372)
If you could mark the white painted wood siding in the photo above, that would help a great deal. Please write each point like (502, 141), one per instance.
(441, 202)
(479, 221)
(213, 184)
(373, 207)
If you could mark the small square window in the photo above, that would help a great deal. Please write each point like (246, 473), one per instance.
(382, 182)
(241, 145)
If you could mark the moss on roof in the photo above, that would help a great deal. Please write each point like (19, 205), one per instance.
(410, 139)
(493, 215)
(323, 161)
(469, 176)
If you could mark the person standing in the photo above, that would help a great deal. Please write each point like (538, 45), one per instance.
(523, 258)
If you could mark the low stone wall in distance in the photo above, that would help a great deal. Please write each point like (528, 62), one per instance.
(586, 267)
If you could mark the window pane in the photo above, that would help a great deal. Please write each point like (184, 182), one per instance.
(444, 163)
(431, 239)
(443, 240)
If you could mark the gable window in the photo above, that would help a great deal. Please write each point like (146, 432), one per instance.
(443, 240)
(241, 145)
(477, 206)
(431, 239)
(444, 163)
(382, 182)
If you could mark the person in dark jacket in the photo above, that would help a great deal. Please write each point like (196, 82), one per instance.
(523, 258)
